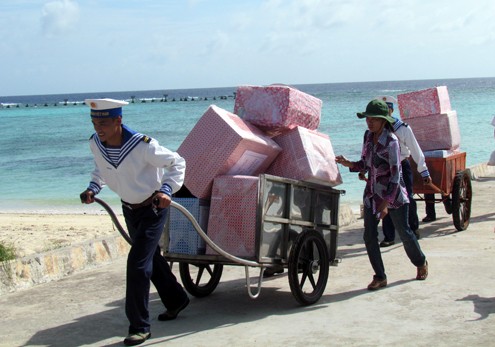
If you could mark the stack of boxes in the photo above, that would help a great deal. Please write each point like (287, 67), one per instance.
(272, 130)
(432, 120)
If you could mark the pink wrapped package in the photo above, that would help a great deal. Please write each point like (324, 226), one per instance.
(422, 103)
(221, 143)
(437, 131)
(232, 221)
(307, 155)
(277, 108)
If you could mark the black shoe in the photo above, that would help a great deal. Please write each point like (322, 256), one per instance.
(428, 219)
(172, 314)
(136, 339)
(387, 243)
(272, 270)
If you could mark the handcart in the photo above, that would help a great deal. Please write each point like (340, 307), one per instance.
(450, 179)
(296, 228)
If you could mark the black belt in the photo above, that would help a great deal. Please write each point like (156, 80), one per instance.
(145, 203)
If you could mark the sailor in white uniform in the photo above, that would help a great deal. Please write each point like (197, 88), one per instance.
(144, 175)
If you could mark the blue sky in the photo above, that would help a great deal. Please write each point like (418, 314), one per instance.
(71, 46)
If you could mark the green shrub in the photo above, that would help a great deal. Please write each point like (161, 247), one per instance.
(7, 252)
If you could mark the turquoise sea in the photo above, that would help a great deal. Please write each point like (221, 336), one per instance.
(45, 159)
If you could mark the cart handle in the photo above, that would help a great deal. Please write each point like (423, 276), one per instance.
(200, 231)
(114, 218)
(436, 189)
(191, 218)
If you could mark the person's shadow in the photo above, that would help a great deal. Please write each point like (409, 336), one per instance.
(482, 306)
(228, 305)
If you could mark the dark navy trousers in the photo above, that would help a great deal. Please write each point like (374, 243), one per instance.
(387, 224)
(409, 240)
(144, 264)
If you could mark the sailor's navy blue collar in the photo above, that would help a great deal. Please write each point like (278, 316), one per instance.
(398, 123)
(130, 139)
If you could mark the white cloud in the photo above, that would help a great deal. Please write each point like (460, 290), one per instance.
(59, 16)
(223, 42)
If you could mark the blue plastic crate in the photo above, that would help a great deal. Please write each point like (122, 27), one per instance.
(183, 238)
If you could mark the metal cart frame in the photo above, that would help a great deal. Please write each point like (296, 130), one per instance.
(305, 240)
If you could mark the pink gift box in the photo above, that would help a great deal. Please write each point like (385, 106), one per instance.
(221, 143)
(437, 131)
(277, 108)
(307, 155)
(232, 220)
(422, 103)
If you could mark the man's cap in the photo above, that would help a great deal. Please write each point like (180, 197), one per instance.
(378, 109)
(105, 108)
(389, 100)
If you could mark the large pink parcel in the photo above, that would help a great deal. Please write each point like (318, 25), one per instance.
(221, 143)
(232, 221)
(277, 108)
(307, 155)
(437, 131)
(424, 102)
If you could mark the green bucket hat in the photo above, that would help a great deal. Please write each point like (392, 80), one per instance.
(378, 109)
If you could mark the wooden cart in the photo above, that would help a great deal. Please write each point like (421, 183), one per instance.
(451, 180)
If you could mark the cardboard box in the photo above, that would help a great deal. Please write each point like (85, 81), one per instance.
(221, 143)
(232, 221)
(277, 108)
(422, 103)
(306, 155)
(437, 131)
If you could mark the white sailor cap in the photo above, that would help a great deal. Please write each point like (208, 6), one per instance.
(389, 100)
(105, 108)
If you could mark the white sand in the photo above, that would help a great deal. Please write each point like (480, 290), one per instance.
(32, 233)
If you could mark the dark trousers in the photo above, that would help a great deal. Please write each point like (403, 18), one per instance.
(387, 225)
(409, 241)
(145, 264)
(430, 206)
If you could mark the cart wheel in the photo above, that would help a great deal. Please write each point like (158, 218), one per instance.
(308, 267)
(197, 281)
(461, 200)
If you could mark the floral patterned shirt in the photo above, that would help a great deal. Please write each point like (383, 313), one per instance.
(382, 163)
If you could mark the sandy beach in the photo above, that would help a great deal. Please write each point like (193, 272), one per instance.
(32, 233)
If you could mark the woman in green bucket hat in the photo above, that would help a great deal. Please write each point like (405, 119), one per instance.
(385, 191)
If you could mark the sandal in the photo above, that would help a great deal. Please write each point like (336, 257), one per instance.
(422, 272)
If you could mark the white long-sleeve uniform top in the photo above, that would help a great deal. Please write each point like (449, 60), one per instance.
(409, 146)
(143, 167)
